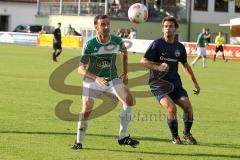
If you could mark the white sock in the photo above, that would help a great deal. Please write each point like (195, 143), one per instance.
(125, 118)
(81, 130)
(204, 62)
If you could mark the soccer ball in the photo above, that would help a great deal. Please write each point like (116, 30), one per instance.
(137, 13)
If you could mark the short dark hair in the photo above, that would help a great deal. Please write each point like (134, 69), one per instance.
(171, 19)
(206, 28)
(59, 23)
(132, 28)
(100, 17)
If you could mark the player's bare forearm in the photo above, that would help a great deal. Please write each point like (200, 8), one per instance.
(148, 64)
(124, 59)
(208, 36)
(82, 70)
(189, 72)
(100, 80)
(154, 66)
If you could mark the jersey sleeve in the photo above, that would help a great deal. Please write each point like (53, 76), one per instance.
(183, 57)
(199, 36)
(151, 53)
(84, 58)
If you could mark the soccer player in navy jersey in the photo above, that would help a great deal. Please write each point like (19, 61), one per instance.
(162, 58)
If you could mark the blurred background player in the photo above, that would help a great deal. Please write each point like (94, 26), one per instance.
(219, 41)
(69, 30)
(126, 32)
(57, 43)
(43, 31)
(162, 59)
(101, 76)
(120, 32)
(201, 50)
(133, 34)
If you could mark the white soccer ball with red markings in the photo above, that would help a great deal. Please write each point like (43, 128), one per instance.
(138, 13)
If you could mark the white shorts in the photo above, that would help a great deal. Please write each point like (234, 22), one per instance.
(92, 89)
(201, 51)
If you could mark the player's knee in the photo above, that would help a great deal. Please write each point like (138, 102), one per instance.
(171, 109)
(130, 101)
(87, 107)
(86, 113)
(88, 102)
(189, 110)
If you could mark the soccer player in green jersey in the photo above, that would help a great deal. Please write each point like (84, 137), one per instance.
(201, 50)
(97, 65)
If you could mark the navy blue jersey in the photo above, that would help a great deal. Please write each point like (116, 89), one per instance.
(171, 53)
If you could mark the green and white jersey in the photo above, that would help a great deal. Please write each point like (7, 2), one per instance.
(101, 57)
(202, 40)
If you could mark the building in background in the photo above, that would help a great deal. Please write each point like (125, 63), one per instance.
(16, 12)
(234, 25)
(211, 13)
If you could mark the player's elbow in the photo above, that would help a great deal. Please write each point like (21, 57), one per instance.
(81, 70)
(144, 62)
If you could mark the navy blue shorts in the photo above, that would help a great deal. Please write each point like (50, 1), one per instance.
(176, 94)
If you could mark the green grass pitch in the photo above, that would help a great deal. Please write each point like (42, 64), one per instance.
(30, 129)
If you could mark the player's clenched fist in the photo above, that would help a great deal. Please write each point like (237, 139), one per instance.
(163, 67)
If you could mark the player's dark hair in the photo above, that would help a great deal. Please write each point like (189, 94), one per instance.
(59, 23)
(133, 29)
(171, 19)
(100, 17)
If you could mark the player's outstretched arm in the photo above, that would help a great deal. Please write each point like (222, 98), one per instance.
(189, 72)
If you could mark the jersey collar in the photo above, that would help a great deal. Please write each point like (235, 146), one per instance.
(105, 42)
